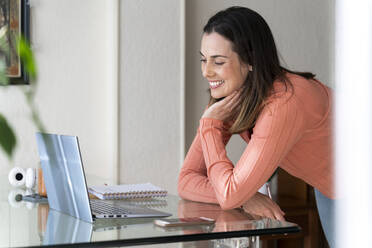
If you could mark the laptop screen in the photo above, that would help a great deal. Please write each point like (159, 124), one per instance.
(63, 174)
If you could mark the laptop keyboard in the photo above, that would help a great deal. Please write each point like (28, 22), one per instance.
(101, 207)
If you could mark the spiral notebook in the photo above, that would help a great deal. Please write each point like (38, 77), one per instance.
(127, 191)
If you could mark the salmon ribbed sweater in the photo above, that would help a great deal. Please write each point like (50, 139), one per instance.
(293, 131)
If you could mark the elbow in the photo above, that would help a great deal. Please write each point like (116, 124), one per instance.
(183, 184)
(227, 204)
(180, 188)
(182, 193)
(226, 207)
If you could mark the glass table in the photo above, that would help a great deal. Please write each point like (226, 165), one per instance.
(25, 224)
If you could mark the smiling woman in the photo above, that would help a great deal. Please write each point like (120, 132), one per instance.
(285, 117)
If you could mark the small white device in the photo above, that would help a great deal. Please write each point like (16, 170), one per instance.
(20, 177)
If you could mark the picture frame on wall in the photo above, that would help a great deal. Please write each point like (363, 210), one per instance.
(14, 21)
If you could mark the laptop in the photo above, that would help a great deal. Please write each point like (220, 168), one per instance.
(66, 186)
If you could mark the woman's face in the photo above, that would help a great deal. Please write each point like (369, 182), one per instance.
(221, 66)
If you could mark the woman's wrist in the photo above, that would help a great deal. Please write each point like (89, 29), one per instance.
(207, 121)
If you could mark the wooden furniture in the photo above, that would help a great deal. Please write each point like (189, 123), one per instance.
(297, 200)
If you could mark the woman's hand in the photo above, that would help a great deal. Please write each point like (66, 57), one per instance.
(262, 205)
(223, 109)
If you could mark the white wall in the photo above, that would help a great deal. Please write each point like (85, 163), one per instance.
(73, 48)
(151, 92)
(303, 31)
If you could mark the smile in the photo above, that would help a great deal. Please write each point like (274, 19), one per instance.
(215, 84)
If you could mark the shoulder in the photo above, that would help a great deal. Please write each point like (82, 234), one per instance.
(308, 100)
(281, 94)
(297, 89)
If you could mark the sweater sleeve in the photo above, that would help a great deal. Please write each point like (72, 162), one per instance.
(278, 128)
(193, 183)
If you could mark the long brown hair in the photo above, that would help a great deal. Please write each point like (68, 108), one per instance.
(254, 43)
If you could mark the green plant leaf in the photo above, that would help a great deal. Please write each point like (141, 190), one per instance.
(7, 137)
(27, 57)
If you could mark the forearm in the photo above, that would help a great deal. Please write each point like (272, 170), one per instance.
(230, 189)
(193, 183)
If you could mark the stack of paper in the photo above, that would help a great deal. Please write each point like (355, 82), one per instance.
(126, 191)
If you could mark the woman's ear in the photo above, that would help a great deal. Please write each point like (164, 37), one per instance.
(250, 68)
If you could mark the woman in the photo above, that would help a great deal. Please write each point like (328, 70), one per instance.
(284, 116)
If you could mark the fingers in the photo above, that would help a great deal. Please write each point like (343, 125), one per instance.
(262, 205)
(226, 99)
(279, 217)
(232, 101)
(274, 214)
(269, 214)
(224, 109)
(235, 102)
(273, 211)
(277, 212)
